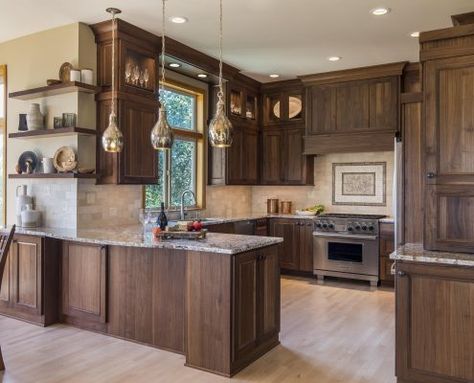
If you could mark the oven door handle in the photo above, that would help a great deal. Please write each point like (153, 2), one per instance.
(345, 236)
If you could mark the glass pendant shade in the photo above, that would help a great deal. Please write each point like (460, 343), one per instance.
(220, 129)
(112, 138)
(162, 134)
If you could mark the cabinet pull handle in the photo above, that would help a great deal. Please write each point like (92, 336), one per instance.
(401, 273)
(430, 175)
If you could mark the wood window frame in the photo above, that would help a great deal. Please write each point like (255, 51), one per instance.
(197, 135)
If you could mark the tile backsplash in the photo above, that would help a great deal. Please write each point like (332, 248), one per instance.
(321, 192)
(107, 205)
(56, 199)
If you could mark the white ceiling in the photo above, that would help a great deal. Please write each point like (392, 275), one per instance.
(290, 37)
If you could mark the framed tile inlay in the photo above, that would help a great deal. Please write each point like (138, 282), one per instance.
(359, 183)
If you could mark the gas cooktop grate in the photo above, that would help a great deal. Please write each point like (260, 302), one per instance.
(353, 216)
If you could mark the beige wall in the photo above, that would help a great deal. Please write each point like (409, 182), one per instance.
(31, 60)
(321, 192)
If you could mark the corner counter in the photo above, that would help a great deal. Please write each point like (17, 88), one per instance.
(434, 315)
(217, 300)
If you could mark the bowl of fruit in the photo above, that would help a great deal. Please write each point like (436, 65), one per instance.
(311, 211)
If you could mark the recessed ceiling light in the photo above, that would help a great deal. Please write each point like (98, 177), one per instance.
(274, 75)
(380, 11)
(415, 34)
(178, 19)
(202, 75)
(334, 58)
(175, 65)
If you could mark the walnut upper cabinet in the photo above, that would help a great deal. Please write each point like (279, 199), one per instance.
(282, 158)
(237, 165)
(352, 110)
(448, 82)
(135, 83)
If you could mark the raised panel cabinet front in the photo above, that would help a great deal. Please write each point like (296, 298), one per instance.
(138, 162)
(246, 277)
(288, 252)
(84, 282)
(26, 273)
(435, 323)
(272, 160)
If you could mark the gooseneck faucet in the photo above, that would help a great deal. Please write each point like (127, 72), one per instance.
(182, 202)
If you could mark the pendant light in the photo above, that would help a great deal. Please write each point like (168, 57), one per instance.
(162, 134)
(220, 128)
(112, 138)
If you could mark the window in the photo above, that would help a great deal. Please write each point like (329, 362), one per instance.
(181, 168)
(3, 124)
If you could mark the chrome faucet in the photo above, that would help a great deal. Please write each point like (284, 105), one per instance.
(182, 202)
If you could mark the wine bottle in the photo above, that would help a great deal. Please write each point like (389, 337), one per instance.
(162, 220)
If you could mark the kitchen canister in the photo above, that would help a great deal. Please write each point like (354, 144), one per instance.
(285, 207)
(34, 118)
(48, 165)
(272, 206)
(75, 75)
(87, 76)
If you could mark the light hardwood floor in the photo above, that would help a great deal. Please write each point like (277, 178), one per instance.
(334, 333)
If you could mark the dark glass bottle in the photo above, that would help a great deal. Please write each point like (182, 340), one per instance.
(162, 220)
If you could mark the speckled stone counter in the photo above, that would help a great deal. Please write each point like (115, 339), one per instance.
(133, 236)
(414, 252)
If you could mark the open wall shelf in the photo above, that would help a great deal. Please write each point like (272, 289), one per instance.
(54, 90)
(44, 133)
(54, 175)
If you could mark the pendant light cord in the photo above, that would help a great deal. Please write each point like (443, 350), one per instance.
(220, 95)
(163, 31)
(113, 62)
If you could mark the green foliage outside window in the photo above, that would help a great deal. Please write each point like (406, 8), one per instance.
(181, 162)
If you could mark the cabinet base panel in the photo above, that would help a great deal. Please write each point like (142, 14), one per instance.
(38, 321)
(243, 363)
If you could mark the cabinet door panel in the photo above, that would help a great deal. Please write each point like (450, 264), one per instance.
(26, 274)
(306, 246)
(435, 323)
(288, 252)
(84, 281)
(138, 160)
(245, 303)
(234, 158)
(295, 167)
(449, 120)
(269, 290)
(272, 156)
(249, 155)
(449, 211)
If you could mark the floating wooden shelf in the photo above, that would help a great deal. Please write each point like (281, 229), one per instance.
(53, 90)
(52, 133)
(53, 175)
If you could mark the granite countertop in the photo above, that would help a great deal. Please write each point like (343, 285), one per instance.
(387, 220)
(211, 221)
(133, 236)
(414, 252)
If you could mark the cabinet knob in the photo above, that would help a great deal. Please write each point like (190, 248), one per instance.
(401, 273)
(430, 175)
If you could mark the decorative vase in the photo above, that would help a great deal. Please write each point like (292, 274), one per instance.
(34, 118)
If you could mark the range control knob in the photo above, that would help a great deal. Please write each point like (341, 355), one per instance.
(371, 228)
(325, 225)
(357, 227)
(331, 226)
(350, 228)
(318, 224)
(364, 228)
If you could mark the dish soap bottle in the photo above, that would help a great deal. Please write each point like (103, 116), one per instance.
(162, 220)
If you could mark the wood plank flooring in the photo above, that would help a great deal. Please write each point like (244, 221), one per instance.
(332, 333)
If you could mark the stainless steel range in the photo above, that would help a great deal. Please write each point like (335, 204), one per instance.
(347, 246)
